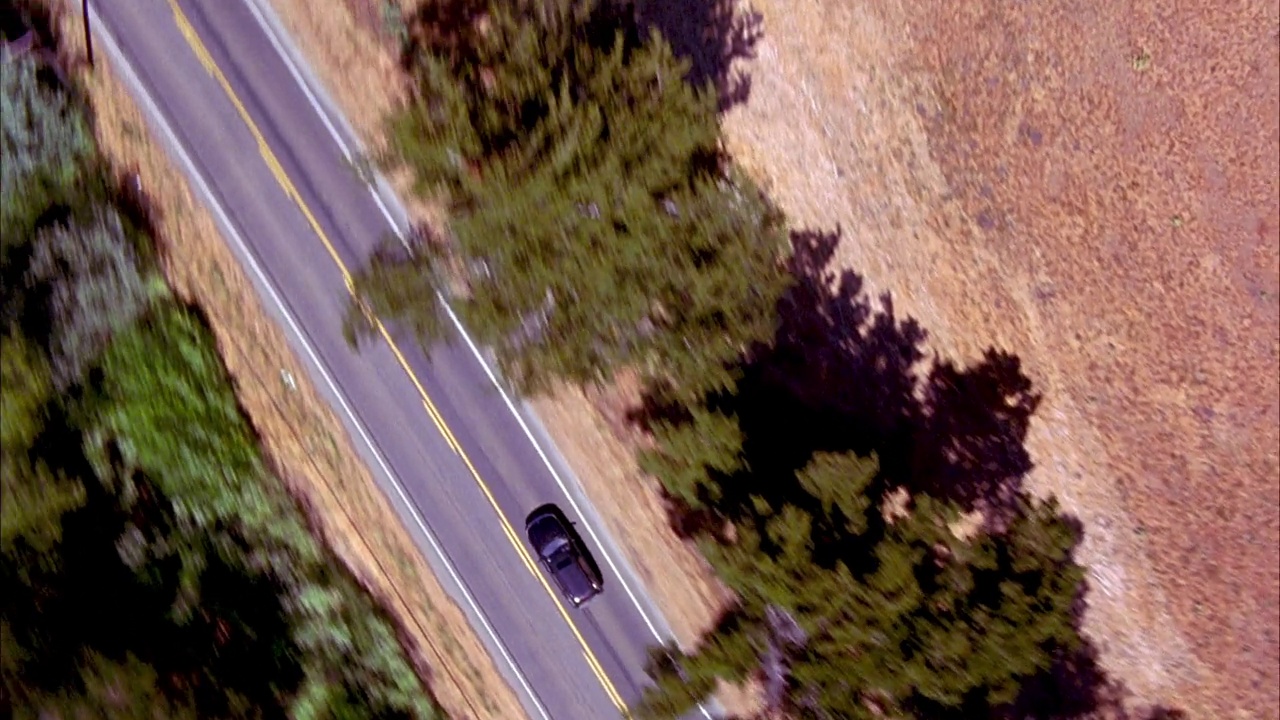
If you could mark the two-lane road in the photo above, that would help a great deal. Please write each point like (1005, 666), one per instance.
(462, 461)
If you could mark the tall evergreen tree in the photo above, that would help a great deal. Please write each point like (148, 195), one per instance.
(595, 224)
(847, 611)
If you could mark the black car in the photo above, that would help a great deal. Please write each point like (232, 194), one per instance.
(563, 555)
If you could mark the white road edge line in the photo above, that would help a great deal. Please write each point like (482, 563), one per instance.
(131, 78)
(318, 107)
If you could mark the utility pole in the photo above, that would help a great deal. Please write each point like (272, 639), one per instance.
(88, 37)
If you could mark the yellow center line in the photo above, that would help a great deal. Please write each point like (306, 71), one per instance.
(202, 54)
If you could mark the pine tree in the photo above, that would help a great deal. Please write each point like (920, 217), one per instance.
(846, 611)
(686, 452)
(594, 223)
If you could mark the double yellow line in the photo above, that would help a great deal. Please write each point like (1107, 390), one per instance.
(202, 53)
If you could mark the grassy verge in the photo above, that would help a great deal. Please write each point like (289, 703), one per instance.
(303, 441)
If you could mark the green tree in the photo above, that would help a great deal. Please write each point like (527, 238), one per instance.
(172, 571)
(690, 448)
(595, 225)
(848, 611)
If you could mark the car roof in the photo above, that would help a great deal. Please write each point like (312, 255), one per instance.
(550, 536)
(544, 529)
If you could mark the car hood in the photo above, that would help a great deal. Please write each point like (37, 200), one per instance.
(576, 583)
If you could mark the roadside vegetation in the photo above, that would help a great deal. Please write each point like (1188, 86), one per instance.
(863, 504)
(154, 566)
(595, 223)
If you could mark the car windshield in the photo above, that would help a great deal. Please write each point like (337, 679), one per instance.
(558, 546)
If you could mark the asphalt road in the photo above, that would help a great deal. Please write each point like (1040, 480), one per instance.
(462, 461)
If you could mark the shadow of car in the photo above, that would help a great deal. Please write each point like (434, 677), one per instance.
(563, 554)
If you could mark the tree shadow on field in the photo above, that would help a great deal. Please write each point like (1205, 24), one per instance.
(1077, 688)
(713, 35)
(845, 373)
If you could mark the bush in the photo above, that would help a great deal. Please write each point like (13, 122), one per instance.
(94, 288)
(45, 140)
(153, 565)
(169, 409)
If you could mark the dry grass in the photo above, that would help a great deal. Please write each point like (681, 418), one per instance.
(304, 442)
(1093, 188)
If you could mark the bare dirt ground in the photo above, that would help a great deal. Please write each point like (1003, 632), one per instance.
(304, 442)
(1092, 186)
